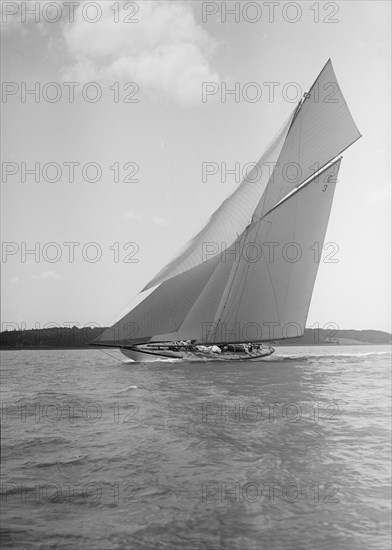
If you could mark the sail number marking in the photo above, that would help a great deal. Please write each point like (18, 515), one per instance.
(331, 177)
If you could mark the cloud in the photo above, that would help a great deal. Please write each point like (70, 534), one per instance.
(47, 275)
(158, 221)
(382, 194)
(130, 215)
(25, 16)
(166, 52)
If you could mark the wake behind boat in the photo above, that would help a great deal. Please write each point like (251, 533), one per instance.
(255, 284)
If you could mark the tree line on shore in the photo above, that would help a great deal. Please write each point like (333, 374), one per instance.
(66, 337)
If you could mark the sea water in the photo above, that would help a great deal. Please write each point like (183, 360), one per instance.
(286, 454)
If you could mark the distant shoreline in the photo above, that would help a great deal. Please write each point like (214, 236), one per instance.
(91, 348)
(64, 338)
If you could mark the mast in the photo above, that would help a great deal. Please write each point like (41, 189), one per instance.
(306, 95)
(229, 285)
(191, 291)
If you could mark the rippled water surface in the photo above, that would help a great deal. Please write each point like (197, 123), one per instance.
(289, 453)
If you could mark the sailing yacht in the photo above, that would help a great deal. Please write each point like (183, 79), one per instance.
(256, 284)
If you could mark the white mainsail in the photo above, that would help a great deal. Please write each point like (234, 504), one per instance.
(268, 293)
(260, 287)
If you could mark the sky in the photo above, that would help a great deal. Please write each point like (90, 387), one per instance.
(119, 186)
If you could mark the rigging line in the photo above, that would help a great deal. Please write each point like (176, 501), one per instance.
(296, 112)
(306, 182)
(237, 291)
(273, 146)
(300, 135)
(244, 279)
(197, 297)
(291, 263)
(234, 294)
(296, 208)
(318, 76)
(273, 292)
(293, 143)
(267, 193)
(272, 285)
(305, 96)
(313, 176)
(112, 356)
(242, 293)
(244, 235)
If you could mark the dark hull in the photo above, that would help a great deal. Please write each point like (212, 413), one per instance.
(148, 353)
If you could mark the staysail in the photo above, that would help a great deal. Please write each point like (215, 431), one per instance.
(259, 287)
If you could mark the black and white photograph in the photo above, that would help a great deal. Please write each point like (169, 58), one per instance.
(196, 275)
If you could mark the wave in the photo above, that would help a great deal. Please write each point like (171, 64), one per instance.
(330, 357)
(127, 389)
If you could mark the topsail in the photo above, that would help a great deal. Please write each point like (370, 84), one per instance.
(317, 131)
(259, 288)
